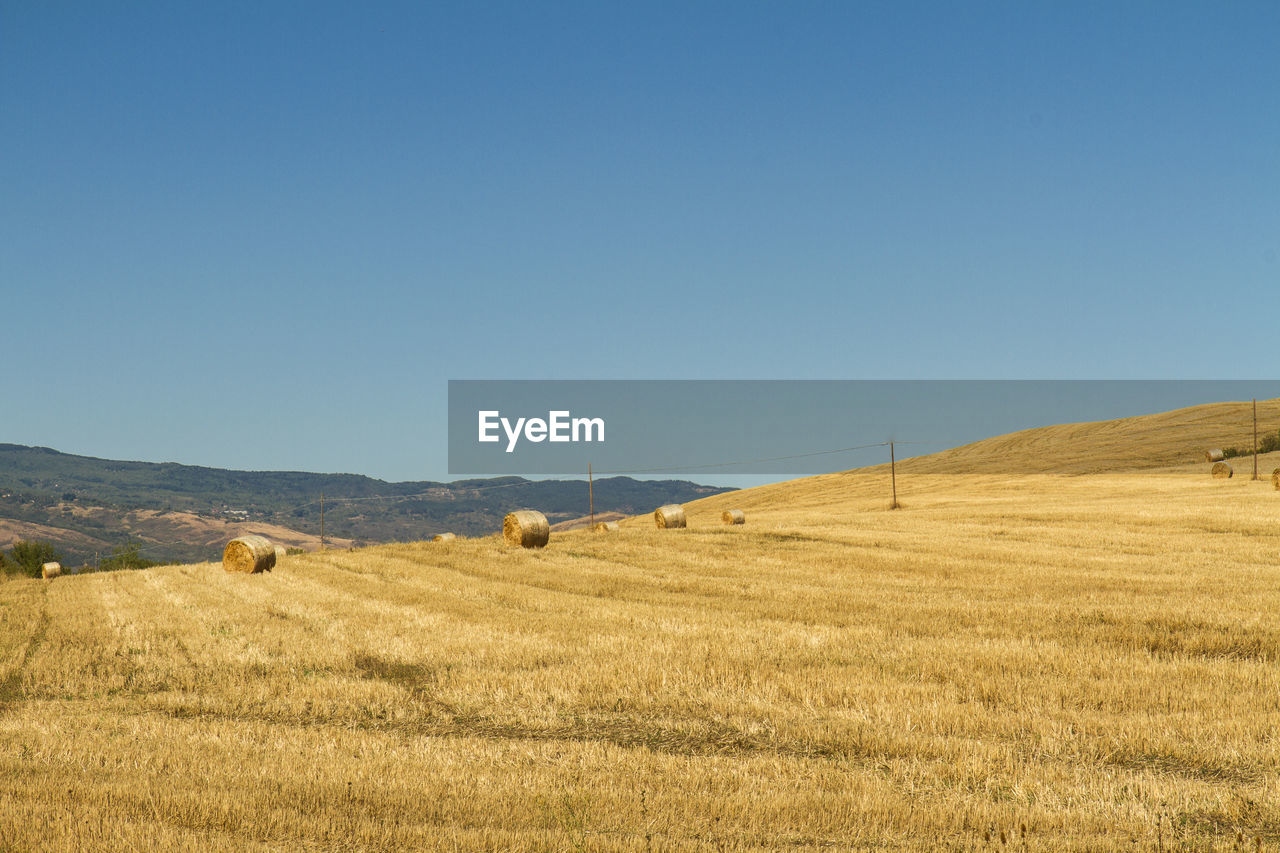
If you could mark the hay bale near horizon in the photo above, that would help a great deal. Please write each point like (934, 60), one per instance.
(48, 571)
(281, 553)
(670, 516)
(1214, 454)
(527, 528)
(733, 516)
(443, 537)
(608, 527)
(1275, 479)
(251, 554)
(1221, 471)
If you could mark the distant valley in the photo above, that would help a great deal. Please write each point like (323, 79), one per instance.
(87, 507)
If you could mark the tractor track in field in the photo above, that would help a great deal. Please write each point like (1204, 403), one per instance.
(11, 692)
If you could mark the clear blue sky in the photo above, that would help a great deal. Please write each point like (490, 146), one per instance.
(264, 235)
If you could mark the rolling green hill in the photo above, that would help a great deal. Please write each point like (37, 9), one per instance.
(87, 505)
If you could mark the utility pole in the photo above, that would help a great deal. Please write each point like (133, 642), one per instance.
(893, 476)
(1255, 438)
(322, 521)
(591, 496)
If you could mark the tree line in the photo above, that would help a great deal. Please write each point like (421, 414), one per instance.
(27, 556)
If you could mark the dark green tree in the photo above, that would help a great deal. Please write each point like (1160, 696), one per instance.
(1269, 442)
(126, 557)
(31, 554)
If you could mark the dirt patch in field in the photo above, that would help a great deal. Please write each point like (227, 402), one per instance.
(585, 521)
(163, 528)
(12, 531)
(202, 530)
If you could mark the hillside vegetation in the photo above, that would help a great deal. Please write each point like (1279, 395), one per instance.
(1030, 662)
(87, 506)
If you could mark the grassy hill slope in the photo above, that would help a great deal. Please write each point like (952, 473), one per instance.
(1069, 663)
(1163, 440)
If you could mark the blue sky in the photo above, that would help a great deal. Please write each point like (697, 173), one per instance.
(265, 235)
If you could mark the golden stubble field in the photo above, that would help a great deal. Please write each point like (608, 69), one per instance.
(1028, 662)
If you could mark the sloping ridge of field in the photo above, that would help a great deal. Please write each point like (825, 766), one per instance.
(1165, 443)
(1144, 442)
(1028, 662)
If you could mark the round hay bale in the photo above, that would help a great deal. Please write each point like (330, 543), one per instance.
(527, 528)
(1221, 470)
(443, 537)
(281, 552)
(1214, 454)
(1275, 479)
(50, 570)
(671, 515)
(249, 554)
(608, 527)
(733, 516)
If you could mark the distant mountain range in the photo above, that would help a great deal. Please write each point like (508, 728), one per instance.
(87, 506)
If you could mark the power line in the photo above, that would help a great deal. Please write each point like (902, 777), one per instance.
(747, 461)
(448, 487)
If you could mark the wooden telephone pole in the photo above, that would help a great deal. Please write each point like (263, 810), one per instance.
(893, 476)
(591, 496)
(322, 521)
(1255, 438)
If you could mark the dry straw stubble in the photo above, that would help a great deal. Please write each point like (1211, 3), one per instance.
(527, 528)
(1221, 470)
(584, 680)
(249, 555)
(669, 516)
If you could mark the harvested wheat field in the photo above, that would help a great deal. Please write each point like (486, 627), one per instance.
(1032, 662)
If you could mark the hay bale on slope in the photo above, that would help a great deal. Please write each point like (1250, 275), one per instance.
(527, 528)
(443, 537)
(250, 554)
(1214, 454)
(50, 570)
(1221, 470)
(733, 516)
(608, 527)
(671, 515)
(1275, 479)
(281, 553)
